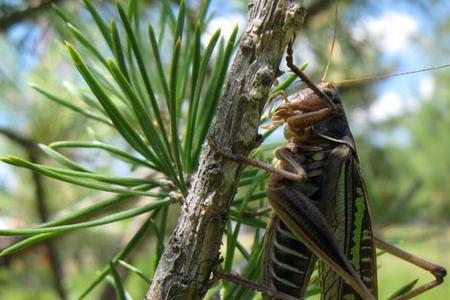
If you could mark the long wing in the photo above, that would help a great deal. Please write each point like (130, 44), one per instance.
(345, 206)
(309, 225)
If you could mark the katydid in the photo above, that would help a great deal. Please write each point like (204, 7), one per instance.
(320, 204)
(321, 147)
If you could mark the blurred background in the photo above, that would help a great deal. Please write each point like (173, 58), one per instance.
(401, 126)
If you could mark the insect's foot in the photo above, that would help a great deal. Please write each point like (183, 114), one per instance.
(440, 273)
(224, 152)
(259, 139)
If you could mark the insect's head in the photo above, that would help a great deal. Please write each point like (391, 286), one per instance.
(306, 101)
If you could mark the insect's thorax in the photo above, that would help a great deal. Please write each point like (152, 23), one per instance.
(312, 156)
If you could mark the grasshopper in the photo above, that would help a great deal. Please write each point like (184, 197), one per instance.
(320, 203)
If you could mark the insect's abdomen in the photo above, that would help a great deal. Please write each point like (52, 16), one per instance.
(288, 264)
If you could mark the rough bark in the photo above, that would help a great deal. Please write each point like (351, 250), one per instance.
(193, 250)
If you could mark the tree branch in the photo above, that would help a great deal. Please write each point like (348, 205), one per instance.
(193, 250)
(15, 17)
(33, 152)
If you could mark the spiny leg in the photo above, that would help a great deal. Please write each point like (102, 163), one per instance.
(285, 155)
(302, 121)
(282, 94)
(438, 272)
(299, 176)
(267, 116)
(273, 96)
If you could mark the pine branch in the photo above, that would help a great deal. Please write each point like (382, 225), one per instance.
(29, 11)
(193, 250)
(33, 152)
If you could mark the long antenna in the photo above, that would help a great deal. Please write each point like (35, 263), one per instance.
(330, 55)
(304, 78)
(383, 76)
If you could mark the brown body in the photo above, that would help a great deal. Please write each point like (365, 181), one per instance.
(310, 220)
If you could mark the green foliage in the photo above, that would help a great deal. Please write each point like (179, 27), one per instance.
(146, 108)
(163, 116)
(149, 94)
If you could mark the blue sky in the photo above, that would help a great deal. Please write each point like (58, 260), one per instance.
(396, 27)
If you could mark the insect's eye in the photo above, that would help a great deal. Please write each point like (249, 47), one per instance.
(332, 96)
